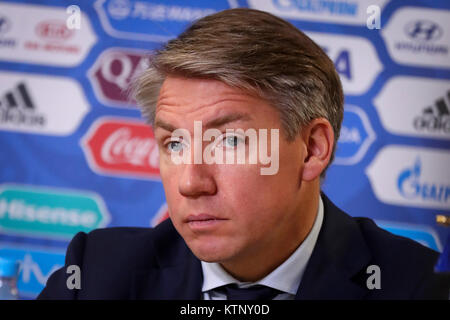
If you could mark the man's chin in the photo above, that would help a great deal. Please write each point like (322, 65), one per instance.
(210, 256)
(211, 253)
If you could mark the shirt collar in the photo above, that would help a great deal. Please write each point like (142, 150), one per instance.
(286, 277)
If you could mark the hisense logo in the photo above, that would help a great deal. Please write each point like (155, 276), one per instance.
(17, 107)
(50, 213)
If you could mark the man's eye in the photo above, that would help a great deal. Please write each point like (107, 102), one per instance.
(232, 141)
(174, 146)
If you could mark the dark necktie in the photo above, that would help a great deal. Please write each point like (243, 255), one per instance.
(256, 292)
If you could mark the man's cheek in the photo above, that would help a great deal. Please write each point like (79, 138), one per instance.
(168, 174)
(236, 175)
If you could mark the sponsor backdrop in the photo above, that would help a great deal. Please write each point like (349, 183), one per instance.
(75, 155)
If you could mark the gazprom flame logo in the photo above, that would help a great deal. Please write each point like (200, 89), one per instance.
(411, 186)
(408, 181)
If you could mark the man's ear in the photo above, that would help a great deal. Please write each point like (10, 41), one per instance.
(318, 137)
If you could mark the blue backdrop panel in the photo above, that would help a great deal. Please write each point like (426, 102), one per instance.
(75, 154)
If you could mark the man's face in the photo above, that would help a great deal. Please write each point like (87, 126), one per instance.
(226, 211)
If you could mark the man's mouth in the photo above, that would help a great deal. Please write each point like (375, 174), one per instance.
(203, 221)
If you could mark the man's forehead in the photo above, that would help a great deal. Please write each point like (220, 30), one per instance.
(210, 101)
(217, 121)
(180, 91)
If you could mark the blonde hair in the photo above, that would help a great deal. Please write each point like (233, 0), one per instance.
(257, 52)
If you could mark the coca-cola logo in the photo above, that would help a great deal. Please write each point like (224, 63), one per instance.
(112, 73)
(53, 30)
(122, 147)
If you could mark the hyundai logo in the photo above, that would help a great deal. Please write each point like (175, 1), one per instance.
(423, 30)
(4, 24)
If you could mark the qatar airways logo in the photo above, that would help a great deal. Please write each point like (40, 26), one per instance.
(122, 147)
(112, 73)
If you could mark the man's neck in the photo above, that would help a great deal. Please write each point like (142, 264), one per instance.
(254, 265)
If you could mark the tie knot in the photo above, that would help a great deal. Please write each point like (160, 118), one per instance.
(256, 292)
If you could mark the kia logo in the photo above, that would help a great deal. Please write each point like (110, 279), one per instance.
(53, 30)
(423, 30)
(5, 25)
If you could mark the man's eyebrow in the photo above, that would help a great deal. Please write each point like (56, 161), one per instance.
(221, 121)
(164, 125)
(215, 123)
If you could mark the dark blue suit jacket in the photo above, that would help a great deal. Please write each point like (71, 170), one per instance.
(144, 263)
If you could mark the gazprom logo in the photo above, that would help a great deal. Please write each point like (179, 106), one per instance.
(328, 11)
(411, 176)
(348, 8)
(411, 186)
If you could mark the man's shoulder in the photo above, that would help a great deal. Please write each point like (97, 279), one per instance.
(382, 244)
(121, 249)
(127, 241)
(355, 243)
(127, 234)
(406, 266)
(394, 248)
(110, 258)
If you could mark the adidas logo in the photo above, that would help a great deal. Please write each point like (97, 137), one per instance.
(435, 118)
(17, 107)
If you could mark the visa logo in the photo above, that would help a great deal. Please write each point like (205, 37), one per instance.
(342, 62)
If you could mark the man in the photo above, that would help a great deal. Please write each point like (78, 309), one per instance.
(234, 232)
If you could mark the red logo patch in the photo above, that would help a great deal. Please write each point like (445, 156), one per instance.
(53, 30)
(123, 147)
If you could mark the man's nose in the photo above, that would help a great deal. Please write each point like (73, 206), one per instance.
(196, 180)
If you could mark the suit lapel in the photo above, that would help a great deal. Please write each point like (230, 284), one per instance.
(169, 283)
(175, 273)
(336, 269)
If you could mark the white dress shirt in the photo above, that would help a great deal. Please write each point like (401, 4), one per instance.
(286, 277)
